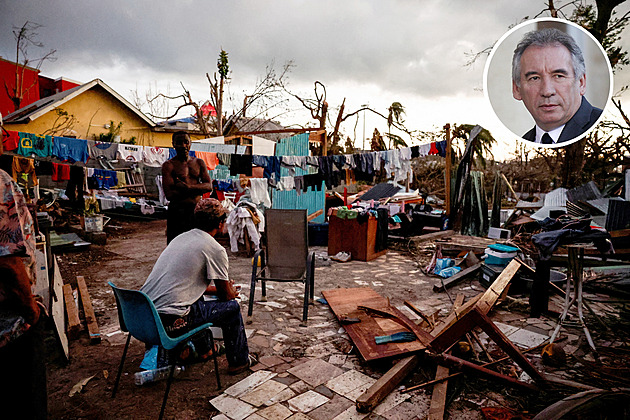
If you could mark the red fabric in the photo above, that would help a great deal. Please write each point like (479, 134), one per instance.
(61, 172)
(434, 150)
(10, 140)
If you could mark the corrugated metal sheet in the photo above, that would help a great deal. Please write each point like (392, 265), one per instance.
(310, 200)
(618, 215)
(379, 191)
(556, 198)
(586, 192)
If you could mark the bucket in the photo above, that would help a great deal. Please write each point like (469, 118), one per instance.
(94, 223)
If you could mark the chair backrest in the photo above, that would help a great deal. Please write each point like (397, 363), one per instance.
(138, 315)
(287, 243)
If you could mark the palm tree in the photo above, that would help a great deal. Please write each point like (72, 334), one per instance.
(483, 145)
(394, 114)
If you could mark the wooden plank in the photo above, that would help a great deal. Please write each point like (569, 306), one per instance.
(396, 315)
(452, 318)
(345, 302)
(386, 384)
(431, 236)
(72, 312)
(453, 280)
(88, 310)
(427, 319)
(506, 345)
(457, 363)
(314, 215)
(497, 288)
(438, 397)
(57, 309)
(474, 319)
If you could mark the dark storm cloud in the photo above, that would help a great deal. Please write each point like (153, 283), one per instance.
(394, 44)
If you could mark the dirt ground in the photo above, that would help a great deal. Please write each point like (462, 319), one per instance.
(127, 259)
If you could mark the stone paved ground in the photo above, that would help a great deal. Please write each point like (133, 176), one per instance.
(307, 372)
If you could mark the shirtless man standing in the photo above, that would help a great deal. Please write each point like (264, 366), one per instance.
(185, 180)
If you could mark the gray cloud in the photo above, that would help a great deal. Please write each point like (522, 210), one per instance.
(404, 47)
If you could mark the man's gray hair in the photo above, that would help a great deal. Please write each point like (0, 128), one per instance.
(543, 38)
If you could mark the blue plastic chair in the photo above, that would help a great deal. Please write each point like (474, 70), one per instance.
(138, 316)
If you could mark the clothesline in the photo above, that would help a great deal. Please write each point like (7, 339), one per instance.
(333, 170)
(72, 150)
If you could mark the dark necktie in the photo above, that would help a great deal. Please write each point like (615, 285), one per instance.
(546, 139)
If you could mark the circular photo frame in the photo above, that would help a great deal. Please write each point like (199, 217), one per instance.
(544, 95)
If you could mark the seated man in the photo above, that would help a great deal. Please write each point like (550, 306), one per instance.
(184, 272)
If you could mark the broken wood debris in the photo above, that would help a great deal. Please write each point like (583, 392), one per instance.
(88, 310)
(72, 312)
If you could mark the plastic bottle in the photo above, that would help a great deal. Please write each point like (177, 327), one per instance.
(153, 375)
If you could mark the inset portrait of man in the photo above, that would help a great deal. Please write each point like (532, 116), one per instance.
(549, 76)
(552, 80)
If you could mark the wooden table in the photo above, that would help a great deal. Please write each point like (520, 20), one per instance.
(345, 303)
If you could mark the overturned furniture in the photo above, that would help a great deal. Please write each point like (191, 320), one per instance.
(285, 256)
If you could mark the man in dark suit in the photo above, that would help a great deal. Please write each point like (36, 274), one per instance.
(549, 76)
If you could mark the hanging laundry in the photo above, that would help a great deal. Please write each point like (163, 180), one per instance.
(102, 148)
(241, 164)
(424, 149)
(43, 167)
(434, 150)
(24, 172)
(70, 149)
(10, 140)
(102, 179)
(31, 144)
(74, 189)
(61, 172)
(122, 179)
(441, 147)
(259, 192)
(299, 184)
(154, 156)
(210, 158)
(286, 183)
(6, 163)
(225, 158)
(415, 151)
(314, 181)
(130, 152)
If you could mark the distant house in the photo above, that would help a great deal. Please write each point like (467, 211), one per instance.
(34, 85)
(92, 109)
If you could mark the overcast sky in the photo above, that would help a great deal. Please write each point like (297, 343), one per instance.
(373, 52)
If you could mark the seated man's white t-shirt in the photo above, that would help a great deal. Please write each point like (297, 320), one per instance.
(184, 270)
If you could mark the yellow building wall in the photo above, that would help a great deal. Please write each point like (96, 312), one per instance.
(93, 110)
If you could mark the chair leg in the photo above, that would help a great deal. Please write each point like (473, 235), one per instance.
(120, 368)
(264, 289)
(216, 362)
(252, 293)
(312, 280)
(307, 287)
(168, 388)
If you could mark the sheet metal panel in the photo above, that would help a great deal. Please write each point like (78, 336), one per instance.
(311, 200)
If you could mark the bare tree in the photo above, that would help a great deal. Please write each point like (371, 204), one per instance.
(264, 97)
(25, 37)
(318, 107)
